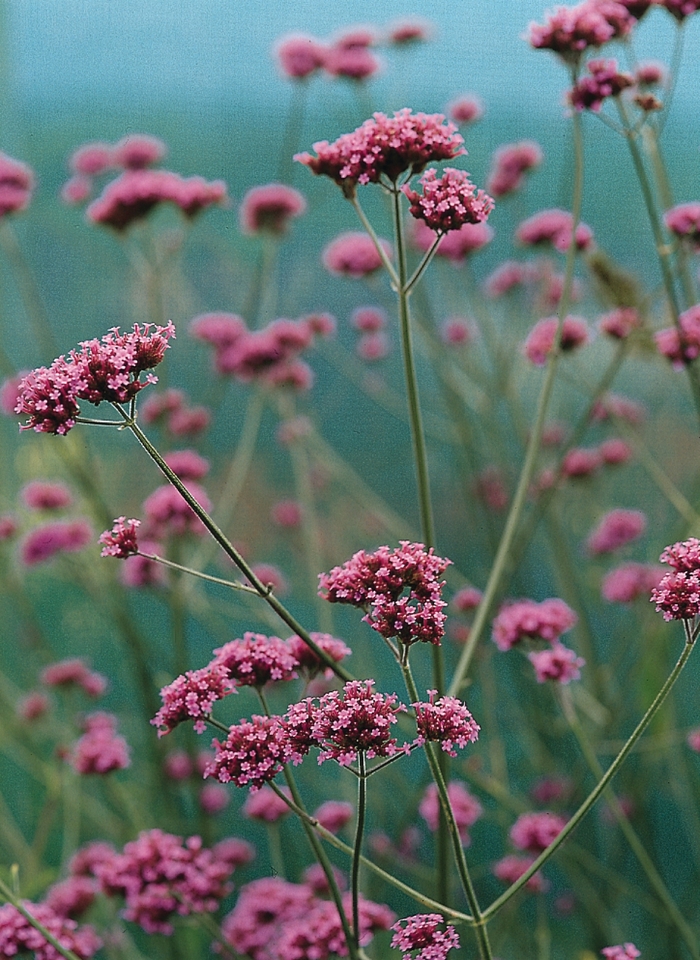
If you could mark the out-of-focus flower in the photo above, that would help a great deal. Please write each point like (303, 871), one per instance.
(373, 346)
(32, 706)
(457, 331)
(511, 868)
(680, 10)
(466, 809)
(76, 190)
(61, 536)
(553, 227)
(568, 31)
(615, 451)
(456, 245)
(336, 649)
(604, 80)
(620, 323)
(681, 346)
(538, 345)
(557, 663)
(91, 159)
(509, 165)
(298, 55)
(136, 151)
(624, 951)
(409, 31)
(616, 529)
(534, 832)
(265, 805)
(333, 815)
(465, 109)
(44, 495)
(74, 671)
(352, 62)
(354, 255)
(19, 936)
(100, 749)
(519, 619)
(16, 185)
(368, 319)
(625, 583)
(581, 462)
(684, 221)
(269, 208)
(286, 513)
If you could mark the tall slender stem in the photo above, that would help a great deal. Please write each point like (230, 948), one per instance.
(598, 790)
(517, 506)
(359, 831)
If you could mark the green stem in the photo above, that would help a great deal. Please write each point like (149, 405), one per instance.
(359, 831)
(292, 132)
(526, 474)
(229, 549)
(388, 266)
(232, 584)
(423, 265)
(626, 827)
(596, 792)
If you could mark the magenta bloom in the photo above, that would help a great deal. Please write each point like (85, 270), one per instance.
(533, 832)
(18, 936)
(422, 933)
(265, 805)
(511, 868)
(121, 540)
(263, 910)
(616, 529)
(354, 255)
(252, 754)
(307, 659)
(91, 159)
(456, 245)
(353, 720)
(615, 451)
(16, 185)
(522, 619)
(457, 331)
(684, 221)
(604, 81)
(581, 462)
(270, 355)
(368, 319)
(569, 31)
(42, 495)
(449, 201)
(333, 815)
(298, 55)
(678, 594)
(620, 323)
(71, 672)
(465, 109)
(187, 464)
(540, 340)
(76, 190)
(138, 150)
(100, 749)
(466, 809)
(139, 571)
(256, 660)
(682, 347)
(553, 227)
(385, 147)
(373, 346)
(409, 31)
(506, 277)
(32, 706)
(445, 721)
(353, 62)
(320, 933)
(60, 536)
(509, 165)
(268, 209)
(71, 897)
(468, 598)
(379, 580)
(162, 876)
(191, 697)
(625, 951)
(132, 196)
(693, 739)
(221, 330)
(271, 577)
(168, 513)
(556, 663)
(625, 583)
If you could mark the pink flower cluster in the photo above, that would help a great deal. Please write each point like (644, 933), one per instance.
(553, 227)
(60, 536)
(445, 721)
(353, 254)
(511, 868)
(265, 805)
(625, 583)
(191, 696)
(100, 749)
(135, 193)
(385, 147)
(269, 208)
(569, 31)
(299, 56)
(133, 152)
(604, 81)
(620, 323)
(121, 540)
(353, 720)
(678, 594)
(422, 933)
(42, 495)
(623, 951)
(161, 876)
(308, 661)
(681, 344)
(465, 109)
(74, 672)
(167, 513)
(378, 583)
(270, 355)
(534, 832)
(540, 340)
(522, 619)
(274, 917)
(18, 936)
(509, 165)
(680, 8)
(466, 809)
(107, 369)
(449, 201)
(684, 221)
(616, 529)
(253, 752)
(170, 408)
(556, 663)
(456, 245)
(16, 185)
(256, 660)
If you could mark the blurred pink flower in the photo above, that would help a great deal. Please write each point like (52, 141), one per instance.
(553, 227)
(354, 255)
(616, 529)
(100, 749)
(62, 536)
(509, 165)
(298, 55)
(625, 583)
(44, 495)
(603, 81)
(265, 805)
(520, 619)
(91, 159)
(538, 345)
(557, 663)
(269, 208)
(16, 185)
(373, 346)
(533, 832)
(465, 109)
(466, 809)
(138, 150)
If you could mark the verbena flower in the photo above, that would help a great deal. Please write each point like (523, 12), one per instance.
(677, 595)
(522, 619)
(74, 672)
(71, 897)
(625, 583)
(534, 832)
(421, 938)
(465, 109)
(269, 208)
(680, 8)
(540, 340)
(60, 536)
(400, 588)
(100, 749)
(568, 31)
(604, 80)
(356, 719)
(683, 220)
(509, 165)
(466, 809)
(456, 245)
(616, 529)
(43, 495)
(307, 659)
(557, 663)
(620, 323)
(191, 696)
(137, 151)
(18, 936)
(187, 464)
(554, 227)
(581, 462)
(624, 951)
(121, 540)
(333, 814)
(298, 55)
(256, 660)
(252, 754)
(511, 868)
(16, 185)
(681, 345)
(385, 147)
(449, 201)
(445, 721)
(354, 255)
(265, 805)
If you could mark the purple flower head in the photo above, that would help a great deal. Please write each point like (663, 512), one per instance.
(511, 868)
(252, 754)
(680, 9)
(625, 583)
(18, 936)
(269, 208)
(91, 159)
(554, 227)
(533, 832)
(604, 81)
(42, 495)
(138, 150)
(400, 588)
(465, 109)
(355, 719)
(624, 951)
(256, 660)
(677, 595)
(540, 340)
(307, 659)
(466, 809)
(187, 464)
(522, 619)
(167, 512)
(71, 897)
(616, 529)
(556, 663)
(423, 935)
(509, 165)
(121, 540)
(191, 697)
(684, 221)
(681, 346)
(354, 255)
(16, 185)
(100, 749)
(456, 245)
(385, 147)
(620, 323)
(445, 721)
(449, 201)
(334, 814)
(74, 672)
(320, 933)
(298, 55)
(569, 31)
(265, 805)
